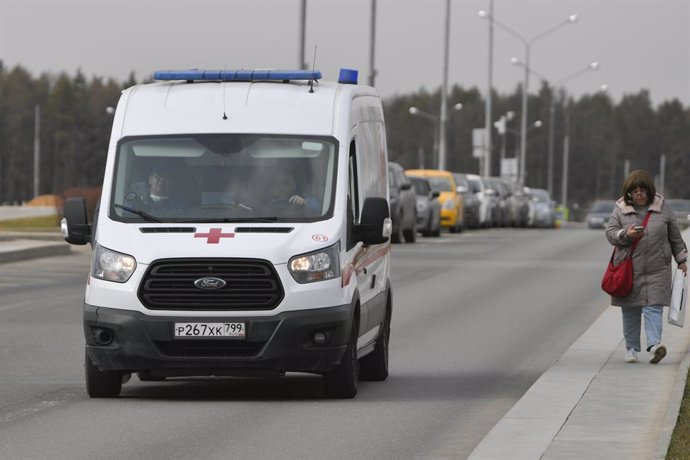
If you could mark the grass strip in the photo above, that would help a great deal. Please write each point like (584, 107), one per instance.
(679, 448)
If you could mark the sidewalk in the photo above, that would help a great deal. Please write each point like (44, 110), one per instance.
(21, 246)
(592, 405)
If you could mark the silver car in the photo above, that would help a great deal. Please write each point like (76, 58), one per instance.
(543, 211)
(428, 207)
(599, 213)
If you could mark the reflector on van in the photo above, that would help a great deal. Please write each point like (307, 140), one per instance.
(236, 75)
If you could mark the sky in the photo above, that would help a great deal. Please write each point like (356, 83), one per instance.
(639, 44)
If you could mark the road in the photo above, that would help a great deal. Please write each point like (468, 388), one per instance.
(478, 317)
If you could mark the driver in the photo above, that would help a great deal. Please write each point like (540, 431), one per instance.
(284, 188)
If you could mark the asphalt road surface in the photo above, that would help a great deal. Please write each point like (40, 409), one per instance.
(477, 318)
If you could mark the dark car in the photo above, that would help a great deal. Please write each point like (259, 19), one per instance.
(472, 203)
(681, 208)
(599, 213)
(428, 207)
(403, 203)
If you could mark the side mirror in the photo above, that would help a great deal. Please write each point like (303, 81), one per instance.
(435, 194)
(406, 186)
(375, 226)
(75, 226)
(462, 189)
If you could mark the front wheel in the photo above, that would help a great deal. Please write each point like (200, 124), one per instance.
(341, 382)
(101, 384)
(374, 366)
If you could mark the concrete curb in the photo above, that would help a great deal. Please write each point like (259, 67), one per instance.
(16, 250)
(676, 400)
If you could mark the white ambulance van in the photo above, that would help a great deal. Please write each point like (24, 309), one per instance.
(243, 229)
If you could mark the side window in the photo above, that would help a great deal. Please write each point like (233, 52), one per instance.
(352, 196)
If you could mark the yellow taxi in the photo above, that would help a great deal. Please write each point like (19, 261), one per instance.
(452, 206)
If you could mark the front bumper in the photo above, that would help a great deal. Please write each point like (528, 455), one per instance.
(277, 344)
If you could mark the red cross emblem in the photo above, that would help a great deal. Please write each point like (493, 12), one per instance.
(214, 235)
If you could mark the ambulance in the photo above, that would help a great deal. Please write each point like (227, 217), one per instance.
(243, 230)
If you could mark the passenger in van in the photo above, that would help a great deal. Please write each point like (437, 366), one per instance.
(285, 190)
(164, 190)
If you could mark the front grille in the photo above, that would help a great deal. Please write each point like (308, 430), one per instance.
(209, 348)
(251, 284)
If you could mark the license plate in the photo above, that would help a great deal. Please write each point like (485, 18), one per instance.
(210, 330)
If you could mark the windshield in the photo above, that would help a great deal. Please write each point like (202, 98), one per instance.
(475, 186)
(540, 195)
(421, 186)
(224, 178)
(603, 206)
(440, 184)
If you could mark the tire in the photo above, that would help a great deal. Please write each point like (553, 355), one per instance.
(374, 366)
(101, 384)
(397, 236)
(410, 234)
(341, 382)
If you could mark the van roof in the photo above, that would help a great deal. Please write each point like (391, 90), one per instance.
(279, 107)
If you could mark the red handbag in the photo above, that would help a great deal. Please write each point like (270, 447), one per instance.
(618, 279)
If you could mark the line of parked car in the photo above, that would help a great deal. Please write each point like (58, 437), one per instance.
(429, 200)
(599, 212)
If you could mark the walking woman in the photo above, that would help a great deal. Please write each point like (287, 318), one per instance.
(659, 240)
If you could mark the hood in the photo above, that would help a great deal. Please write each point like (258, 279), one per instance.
(276, 243)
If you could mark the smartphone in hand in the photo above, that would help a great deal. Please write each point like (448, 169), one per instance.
(638, 228)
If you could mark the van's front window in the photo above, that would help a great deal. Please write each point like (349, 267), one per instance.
(224, 178)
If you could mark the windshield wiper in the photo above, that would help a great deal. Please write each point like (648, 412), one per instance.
(143, 214)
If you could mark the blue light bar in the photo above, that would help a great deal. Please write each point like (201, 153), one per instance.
(236, 75)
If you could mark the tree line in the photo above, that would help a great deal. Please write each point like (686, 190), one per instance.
(605, 136)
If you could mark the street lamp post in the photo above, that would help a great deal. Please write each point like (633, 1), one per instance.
(552, 110)
(525, 86)
(436, 120)
(566, 152)
(444, 91)
(302, 33)
(419, 113)
(372, 42)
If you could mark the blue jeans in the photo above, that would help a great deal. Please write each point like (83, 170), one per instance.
(653, 318)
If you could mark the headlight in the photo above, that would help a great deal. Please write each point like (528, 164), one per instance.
(448, 204)
(112, 266)
(320, 265)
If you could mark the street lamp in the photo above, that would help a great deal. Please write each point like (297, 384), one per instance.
(502, 127)
(566, 151)
(436, 120)
(444, 92)
(419, 113)
(552, 110)
(525, 86)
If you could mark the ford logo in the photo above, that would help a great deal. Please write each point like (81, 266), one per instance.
(209, 283)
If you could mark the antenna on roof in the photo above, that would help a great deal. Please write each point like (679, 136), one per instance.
(313, 66)
(225, 116)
